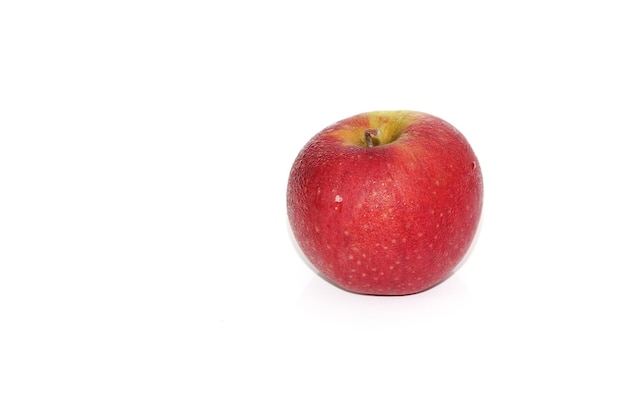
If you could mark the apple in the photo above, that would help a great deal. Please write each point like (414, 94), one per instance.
(385, 202)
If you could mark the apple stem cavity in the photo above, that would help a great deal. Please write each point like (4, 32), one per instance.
(371, 137)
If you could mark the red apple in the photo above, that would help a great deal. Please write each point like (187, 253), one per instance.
(385, 203)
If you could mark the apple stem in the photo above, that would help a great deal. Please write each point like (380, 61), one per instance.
(370, 135)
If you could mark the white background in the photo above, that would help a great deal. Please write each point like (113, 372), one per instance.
(146, 266)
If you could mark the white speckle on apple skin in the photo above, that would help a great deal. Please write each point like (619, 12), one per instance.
(338, 199)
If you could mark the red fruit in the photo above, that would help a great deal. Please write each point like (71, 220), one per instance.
(385, 203)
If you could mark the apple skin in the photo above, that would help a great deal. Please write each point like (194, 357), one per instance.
(394, 216)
